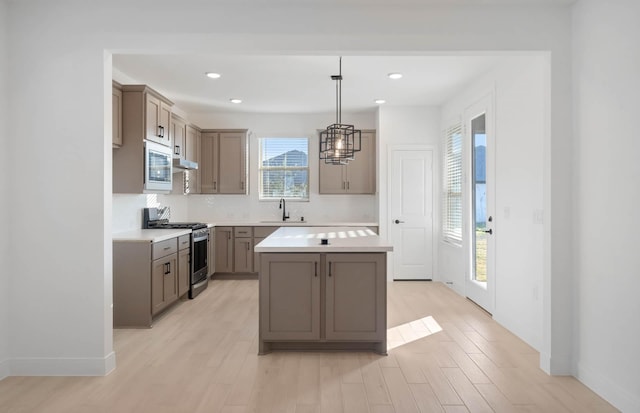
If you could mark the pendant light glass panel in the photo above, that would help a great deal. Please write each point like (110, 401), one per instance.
(339, 143)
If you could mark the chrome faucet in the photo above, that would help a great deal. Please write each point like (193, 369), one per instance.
(283, 207)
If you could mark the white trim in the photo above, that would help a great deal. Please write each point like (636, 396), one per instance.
(621, 398)
(63, 366)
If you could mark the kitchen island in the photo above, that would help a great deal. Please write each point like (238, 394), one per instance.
(316, 296)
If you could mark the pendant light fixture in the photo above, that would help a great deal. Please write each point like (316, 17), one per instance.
(339, 142)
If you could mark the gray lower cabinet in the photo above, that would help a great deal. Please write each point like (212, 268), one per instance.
(290, 297)
(259, 234)
(313, 301)
(234, 248)
(243, 255)
(355, 289)
(224, 249)
(184, 264)
(164, 282)
(211, 251)
(243, 249)
(145, 280)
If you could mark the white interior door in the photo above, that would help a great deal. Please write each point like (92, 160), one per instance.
(480, 147)
(411, 213)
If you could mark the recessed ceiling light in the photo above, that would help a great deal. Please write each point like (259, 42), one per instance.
(394, 75)
(380, 101)
(235, 100)
(213, 75)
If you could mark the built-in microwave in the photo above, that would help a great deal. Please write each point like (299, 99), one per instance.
(157, 167)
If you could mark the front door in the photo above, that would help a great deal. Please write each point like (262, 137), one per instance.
(480, 143)
(411, 213)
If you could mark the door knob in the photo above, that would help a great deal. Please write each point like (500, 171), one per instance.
(397, 221)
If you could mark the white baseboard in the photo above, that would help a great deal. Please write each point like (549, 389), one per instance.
(555, 367)
(4, 369)
(545, 362)
(620, 398)
(63, 366)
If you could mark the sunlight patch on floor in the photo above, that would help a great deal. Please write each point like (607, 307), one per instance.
(411, 331)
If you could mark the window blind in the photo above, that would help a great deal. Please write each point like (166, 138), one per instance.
(284, 168)
(452, 185)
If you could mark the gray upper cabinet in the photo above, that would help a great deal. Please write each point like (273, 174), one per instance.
(158, 118)
(116, 114)
(178, 136)
(357, 177)
(192, 153)
(145, 115)
(223, 162)
(191, 143)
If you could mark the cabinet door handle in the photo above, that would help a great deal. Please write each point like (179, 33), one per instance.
(215, 186)
(248, 249)
(177, 150)
(316, 267)
(229, 235)
(343, 185)
(242, 185)
(329, 268)
(348, 184)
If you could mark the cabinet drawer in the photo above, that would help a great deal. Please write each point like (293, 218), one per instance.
(184, 242)
(263, 232)
(164, 248)
(243, 232)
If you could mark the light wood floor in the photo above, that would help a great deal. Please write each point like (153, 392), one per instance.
(202, 357)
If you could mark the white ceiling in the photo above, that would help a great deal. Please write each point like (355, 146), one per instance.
(300, 84)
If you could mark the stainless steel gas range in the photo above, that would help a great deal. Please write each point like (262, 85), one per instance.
(158, 218)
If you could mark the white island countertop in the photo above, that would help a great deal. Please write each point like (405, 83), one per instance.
(307, 239)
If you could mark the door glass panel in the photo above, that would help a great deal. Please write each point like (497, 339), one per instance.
(479, 196)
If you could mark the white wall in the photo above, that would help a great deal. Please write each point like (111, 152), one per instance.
(519, 86)
(220, 208)
(323, 208)
(127, 209)
(406, 126)
(606, 99)
(4, 199)
(58, 303)
(60, 292)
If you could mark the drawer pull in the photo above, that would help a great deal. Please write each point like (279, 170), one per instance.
(166, 248)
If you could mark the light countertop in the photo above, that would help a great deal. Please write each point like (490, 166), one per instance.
(157, 235)
(307, 239)
(149, 235)
(291, 223)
